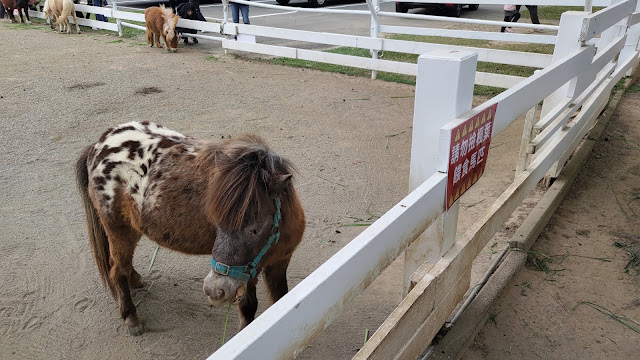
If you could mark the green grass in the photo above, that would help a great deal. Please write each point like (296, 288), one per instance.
(553, 12)
(523, 71)
(634, 88)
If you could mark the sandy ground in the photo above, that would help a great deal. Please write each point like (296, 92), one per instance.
(58, 92)
(584, 267)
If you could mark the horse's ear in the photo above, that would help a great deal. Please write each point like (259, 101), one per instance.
(280, 183)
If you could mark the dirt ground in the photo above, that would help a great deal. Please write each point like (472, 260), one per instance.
(349, 138)
(579, 296)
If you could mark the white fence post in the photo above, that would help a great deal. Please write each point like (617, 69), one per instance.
(568, 41)
(374, 31)
(632, 42)
(444, 91)
(115, 7)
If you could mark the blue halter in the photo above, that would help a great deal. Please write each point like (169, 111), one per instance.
(248, 272)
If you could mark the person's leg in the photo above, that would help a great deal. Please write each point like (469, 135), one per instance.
(98, 3)
(235, 15)
(245, 13)
(507, 18)
(533, 11)
(515, 17)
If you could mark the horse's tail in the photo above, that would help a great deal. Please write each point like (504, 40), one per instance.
(97, 236)
(67, 9)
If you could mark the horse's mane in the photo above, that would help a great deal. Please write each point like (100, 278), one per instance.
(243, 170)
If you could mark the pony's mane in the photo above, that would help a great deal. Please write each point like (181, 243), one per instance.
(170, 21)
(243, 170)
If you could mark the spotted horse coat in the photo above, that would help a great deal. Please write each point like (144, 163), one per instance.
(193, 196)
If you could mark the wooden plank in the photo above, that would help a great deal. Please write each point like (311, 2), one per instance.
(591, 110)
(605, 55)
(527, 132)
(430, 327)
(562, 119)
(600, 21)
(415, 321)
(318, 299)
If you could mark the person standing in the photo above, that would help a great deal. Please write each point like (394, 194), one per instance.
(511, 14)
(236, 9)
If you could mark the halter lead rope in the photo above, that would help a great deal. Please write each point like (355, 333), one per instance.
(248, 272)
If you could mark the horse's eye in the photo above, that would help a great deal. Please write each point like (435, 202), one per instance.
(254, 232)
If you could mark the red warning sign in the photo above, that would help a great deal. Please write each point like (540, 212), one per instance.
(468, 153)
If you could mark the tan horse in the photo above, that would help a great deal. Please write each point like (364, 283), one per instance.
(161, 21)
(58, 11)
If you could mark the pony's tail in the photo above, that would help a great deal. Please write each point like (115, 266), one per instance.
(97, 236)
(67, 9)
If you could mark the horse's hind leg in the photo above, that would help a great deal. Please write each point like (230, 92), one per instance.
(122, 243)
(249, 304)
(75, 19)
(135, 280)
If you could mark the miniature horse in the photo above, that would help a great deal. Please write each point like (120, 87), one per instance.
(161, 22)
(233, 200)
(21, 5)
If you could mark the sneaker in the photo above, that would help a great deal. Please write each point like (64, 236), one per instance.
(509, 30)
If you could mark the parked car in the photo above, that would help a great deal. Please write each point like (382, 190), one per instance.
(314, 3)
(450, 9)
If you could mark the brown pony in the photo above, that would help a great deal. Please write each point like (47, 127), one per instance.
(21, 5)
(161, 21)
(233, 200)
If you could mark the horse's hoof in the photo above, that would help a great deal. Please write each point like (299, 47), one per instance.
(195, 41)
(136, 330)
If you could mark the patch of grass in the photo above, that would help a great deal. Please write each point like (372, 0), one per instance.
(634, 88)
(632, 248)
(486, 44)
(210, 58)
(115, 41)
(553, 12)
(623, 319)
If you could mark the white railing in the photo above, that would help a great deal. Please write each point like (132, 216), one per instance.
(374, 42)
(589, 76)
(575, 83)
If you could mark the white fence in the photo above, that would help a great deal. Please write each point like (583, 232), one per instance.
(593, 51)
(581, 78)
(374, 42)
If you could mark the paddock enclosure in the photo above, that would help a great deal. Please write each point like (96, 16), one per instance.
(356, 146)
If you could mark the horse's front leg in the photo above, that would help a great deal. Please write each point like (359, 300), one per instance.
(249, 304)
(275, 277)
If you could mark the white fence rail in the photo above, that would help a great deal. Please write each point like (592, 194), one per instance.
(575, 83)
(318, 299)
